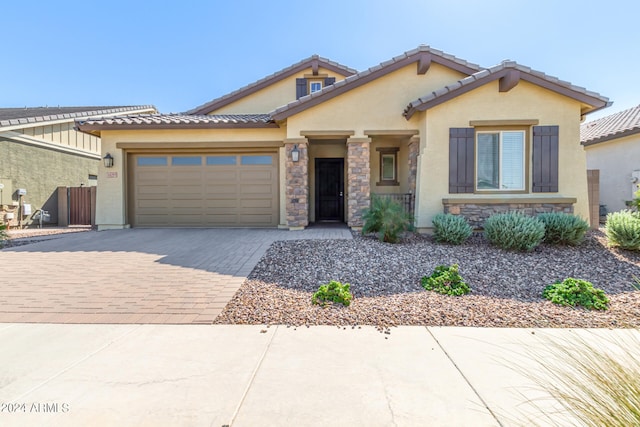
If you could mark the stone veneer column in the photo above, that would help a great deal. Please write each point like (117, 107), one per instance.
(414, 149)
(297, 184)
(358, 179)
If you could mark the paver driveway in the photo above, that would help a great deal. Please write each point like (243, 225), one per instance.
(134, 276)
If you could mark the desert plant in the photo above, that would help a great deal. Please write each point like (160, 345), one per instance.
(446, 280)
(594, 378)
(450, 228)
(333, 292)
(4, 236)
(514, 231)
(563, 228)
(387, 218)
(573, 292)
(623, 229)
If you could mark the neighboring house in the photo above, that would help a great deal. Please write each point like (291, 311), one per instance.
(40, 151)
(313, 141)
(612, 144)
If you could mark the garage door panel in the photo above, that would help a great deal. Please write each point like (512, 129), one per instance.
(221, 190)
(255, 219)
(211, 190)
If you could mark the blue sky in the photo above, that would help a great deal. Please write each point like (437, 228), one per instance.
(178, 55)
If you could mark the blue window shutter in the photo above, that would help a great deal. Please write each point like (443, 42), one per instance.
(329, 81)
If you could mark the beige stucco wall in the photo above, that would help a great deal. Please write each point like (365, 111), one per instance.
(616, 160)
(525, 101)
(273, 96)
(111, 197)
(376, 105)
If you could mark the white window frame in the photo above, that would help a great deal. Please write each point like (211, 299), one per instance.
(315, 82)
(500, 165)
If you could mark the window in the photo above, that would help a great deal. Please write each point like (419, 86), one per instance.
(256, 160)
(221, 160)
(388, 166)
(315, 86)
(152, 161)
(500, 161)
(186, 161)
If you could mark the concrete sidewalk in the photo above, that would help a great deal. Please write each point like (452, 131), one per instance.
(178, 375)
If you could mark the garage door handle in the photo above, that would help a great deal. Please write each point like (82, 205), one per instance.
(340, 194)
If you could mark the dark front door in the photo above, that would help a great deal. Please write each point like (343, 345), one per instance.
(329, 189)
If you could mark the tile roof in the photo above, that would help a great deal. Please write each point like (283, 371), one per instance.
(370, 74)
(501, 70)
(32, 115)
(616, 125)
(312, 61)
(176, 121)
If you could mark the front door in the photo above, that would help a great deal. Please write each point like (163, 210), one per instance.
(329, 189)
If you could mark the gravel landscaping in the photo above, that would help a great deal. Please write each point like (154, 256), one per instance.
(385, 280)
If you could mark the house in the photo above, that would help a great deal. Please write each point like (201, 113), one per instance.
(40, 151)
(313, 141)
(612, 144)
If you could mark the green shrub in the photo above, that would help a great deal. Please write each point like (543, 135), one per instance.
(333, 292)
(514, 231)
(450, 228)
(575, 292)
(446, 280)
(3, 235)
(387, 218)
(623, 229)
(563, 229)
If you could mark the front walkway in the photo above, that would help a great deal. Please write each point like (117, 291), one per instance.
(174, 276)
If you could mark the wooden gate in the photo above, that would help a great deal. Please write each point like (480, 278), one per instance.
(76, 206)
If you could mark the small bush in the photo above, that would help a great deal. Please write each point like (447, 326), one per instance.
(387, 218)
(573, 292)
(446, 280)
(514, 231)
(623, 230)
(451, 228)
(3, 235)
(563, 229)
(333, 292)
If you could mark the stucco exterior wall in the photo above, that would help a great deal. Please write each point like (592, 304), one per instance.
(525, 101)
(616, 160)
(374, 106)
(40, 171)
(111, 204)
(273, 96)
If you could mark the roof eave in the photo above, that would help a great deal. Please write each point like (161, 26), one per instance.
(611, 136)
(346, 85)
(224, 100)
(596, 102)
(96, 129)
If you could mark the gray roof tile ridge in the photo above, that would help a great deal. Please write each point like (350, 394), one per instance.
(606, 127)
(79, 114)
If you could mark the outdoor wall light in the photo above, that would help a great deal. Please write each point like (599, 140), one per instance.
(295, 153)
(108, 161)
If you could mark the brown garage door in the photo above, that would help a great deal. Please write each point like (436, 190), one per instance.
(204, 190)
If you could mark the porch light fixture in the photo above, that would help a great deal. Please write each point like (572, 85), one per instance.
(108, 161)
(295, 153)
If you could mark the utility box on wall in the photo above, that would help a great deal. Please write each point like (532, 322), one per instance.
(6, 192)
